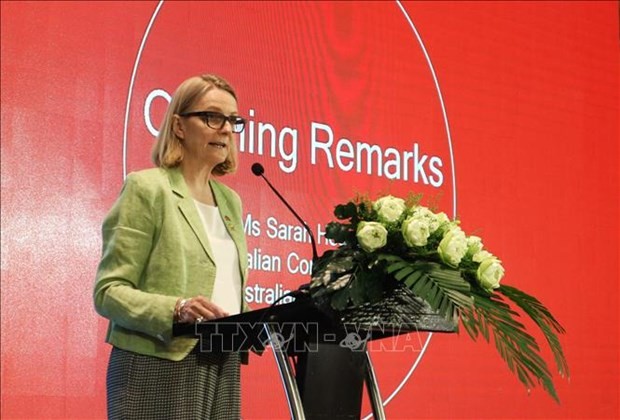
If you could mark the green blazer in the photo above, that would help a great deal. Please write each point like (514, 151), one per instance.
(155, 250)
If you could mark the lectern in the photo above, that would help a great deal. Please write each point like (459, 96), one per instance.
(321, 354)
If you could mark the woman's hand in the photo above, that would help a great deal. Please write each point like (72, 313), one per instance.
(197, 309)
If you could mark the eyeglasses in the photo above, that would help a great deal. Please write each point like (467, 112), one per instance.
(216, 120)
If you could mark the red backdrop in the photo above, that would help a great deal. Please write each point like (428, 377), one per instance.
(506, 113)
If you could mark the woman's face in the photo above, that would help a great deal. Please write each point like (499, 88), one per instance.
(207, 144)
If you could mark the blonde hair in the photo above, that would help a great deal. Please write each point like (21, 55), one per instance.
(168, 151)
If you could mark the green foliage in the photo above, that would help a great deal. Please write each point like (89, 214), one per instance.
(349, 276)
(518, 348)
(443, 288)
(545, 321)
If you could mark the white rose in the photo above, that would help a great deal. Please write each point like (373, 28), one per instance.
(421, 211)
(415, 231)
(474, 245)
(453, 247)
(389, 208)
(481, 255)
(433, 220)
(489, 273)
(441, 219)
(371, 236)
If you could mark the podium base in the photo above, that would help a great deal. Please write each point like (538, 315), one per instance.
(330, 381)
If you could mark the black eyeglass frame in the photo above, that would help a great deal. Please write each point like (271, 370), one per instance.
(205, 116)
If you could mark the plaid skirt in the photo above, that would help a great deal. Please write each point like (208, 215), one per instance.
(201, 386)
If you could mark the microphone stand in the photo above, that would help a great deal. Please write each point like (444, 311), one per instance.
(259, 170)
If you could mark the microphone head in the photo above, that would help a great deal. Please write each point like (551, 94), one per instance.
(257, 169)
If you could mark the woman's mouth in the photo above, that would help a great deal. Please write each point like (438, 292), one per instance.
(218, 144)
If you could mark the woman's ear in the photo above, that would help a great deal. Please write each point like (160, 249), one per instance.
(177, 127)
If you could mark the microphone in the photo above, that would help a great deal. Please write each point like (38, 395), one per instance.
(259, 170)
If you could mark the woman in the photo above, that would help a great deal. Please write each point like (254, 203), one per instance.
(174, 251)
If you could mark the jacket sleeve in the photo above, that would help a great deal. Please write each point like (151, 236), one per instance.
(128, 233)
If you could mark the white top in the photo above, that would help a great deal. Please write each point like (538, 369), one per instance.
(227, 288)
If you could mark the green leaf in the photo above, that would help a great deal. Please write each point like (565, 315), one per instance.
(404, 272)
(469, 324)
(545, 321)
(412, 279)
(444, 289)
(519, 349)
(345, 211)
(339, 232)
(357, 293)
(374, 287)
(340, 299)
(397, 266)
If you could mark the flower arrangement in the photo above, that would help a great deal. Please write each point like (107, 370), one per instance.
(392, 241)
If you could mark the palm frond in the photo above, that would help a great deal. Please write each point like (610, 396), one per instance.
(443, 288)
(519, 349)
(543, 318)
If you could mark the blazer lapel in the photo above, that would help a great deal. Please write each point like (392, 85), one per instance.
(188, 209)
